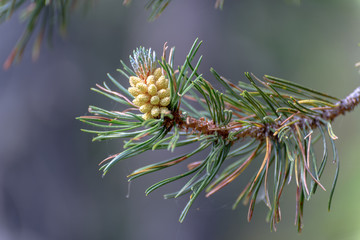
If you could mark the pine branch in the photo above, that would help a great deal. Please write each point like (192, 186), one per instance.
(271, 118)
(259, 132)
(48, 14)
(52, 14)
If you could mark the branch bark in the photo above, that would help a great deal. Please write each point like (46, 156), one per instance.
(261, 131)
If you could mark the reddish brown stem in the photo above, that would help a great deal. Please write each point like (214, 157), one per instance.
(261, 131)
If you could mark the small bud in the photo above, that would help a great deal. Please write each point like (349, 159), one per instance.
(134, 80)
(155, 100)
(164, 110)
(147, 116)
(162, 83)
(145, 108)
(150, 80)
(136, 102)
(142, 87)
(157, 73)
(165, 101)
(152, 89)
(164, 93)
(143, 98)
(133, 91)
(155, 111)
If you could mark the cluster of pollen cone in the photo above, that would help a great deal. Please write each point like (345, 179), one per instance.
(152, 95)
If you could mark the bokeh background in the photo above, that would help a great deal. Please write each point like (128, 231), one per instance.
(50, 186)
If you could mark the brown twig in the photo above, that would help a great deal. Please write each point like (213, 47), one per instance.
(260, 131)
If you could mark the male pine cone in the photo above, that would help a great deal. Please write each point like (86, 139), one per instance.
(152, 95)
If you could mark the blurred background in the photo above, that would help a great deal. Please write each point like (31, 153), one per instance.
(50, 186)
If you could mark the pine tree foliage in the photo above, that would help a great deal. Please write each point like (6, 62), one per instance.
(51, 15)
(44, 17)
(270, 120)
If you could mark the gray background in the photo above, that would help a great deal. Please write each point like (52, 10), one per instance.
(50, 186)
